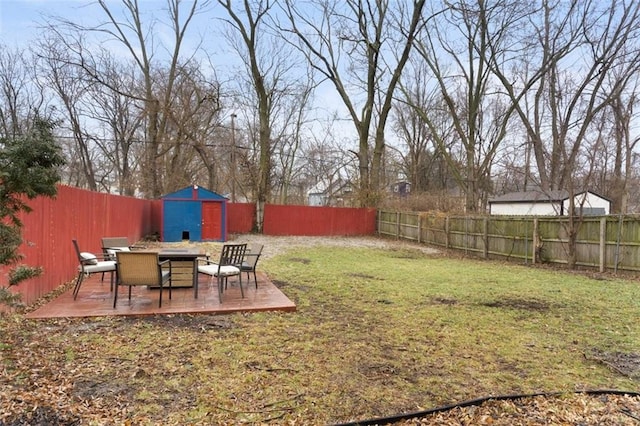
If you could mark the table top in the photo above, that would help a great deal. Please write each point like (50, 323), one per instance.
(180, 252)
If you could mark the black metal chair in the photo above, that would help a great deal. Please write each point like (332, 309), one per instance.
(229, 265)
(251, 260)
(89, 264)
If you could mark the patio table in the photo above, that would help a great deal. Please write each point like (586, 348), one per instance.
(184, 266)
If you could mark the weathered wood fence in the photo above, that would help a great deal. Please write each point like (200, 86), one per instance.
(602, 242)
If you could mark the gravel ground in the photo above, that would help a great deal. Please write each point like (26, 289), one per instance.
(275, 245)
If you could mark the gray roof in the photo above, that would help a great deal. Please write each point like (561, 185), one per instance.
(529, 196)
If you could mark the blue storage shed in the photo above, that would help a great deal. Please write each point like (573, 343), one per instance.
(195, 214)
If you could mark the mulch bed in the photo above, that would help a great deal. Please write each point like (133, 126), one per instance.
(583, 409)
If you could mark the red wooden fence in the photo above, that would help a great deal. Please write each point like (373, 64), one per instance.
(240, 217)
(74, 213)
(318, 221)
(88, 216)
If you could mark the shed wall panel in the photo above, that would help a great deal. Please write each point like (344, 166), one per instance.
(182, 217)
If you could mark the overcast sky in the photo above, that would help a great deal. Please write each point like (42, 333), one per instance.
(20, 21)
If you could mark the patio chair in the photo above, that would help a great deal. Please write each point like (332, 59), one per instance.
(110, 245)
(251, 260)
(89, 263)
(139, 268)
(229, 265)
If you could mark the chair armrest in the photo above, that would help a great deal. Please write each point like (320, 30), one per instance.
(164, 262)
(98, 258)
(206, 260)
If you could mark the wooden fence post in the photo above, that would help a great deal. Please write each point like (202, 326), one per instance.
(535, 238)
(486, 237)
(603, 242)
(397, 225)
(446, 232)
(419, 228)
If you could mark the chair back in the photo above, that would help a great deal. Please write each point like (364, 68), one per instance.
(108, 242)
(84, 258)
(113, 242)
(232, 254)
(75, 245)
(253, 254)
(138, 268)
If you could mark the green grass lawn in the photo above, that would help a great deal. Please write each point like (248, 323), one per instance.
(377, 333)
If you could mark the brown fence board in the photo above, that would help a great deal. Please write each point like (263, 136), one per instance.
(603, 242)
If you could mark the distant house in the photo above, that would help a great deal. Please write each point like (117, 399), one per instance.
(401, 188)
(550, 203)
(337, 193)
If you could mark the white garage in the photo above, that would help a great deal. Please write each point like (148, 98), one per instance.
(549, 203)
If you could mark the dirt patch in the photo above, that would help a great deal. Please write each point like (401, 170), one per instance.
(193, 322)
(520, 304)
(89, 389)
(444, 301)
(378, 371)
(300, 260)
(627, 364)
(365, 276)
(279, 284)
(42, 416)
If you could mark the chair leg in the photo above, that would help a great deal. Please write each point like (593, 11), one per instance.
(241, 289)
(255, 278)
(195, 284)
(76, 288)
(220, 284)
(160, 302)
(115, 296)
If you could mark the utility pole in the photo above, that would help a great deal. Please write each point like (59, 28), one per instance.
(233, 158)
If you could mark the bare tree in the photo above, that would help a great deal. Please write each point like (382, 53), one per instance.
(20, 101)
(459, 47)
(268, 67)
(622, 108)
(120, 121)
(569, 71)
(128, 28)
(361, 49)
(572, 54)
(423, 161)
(69, 85)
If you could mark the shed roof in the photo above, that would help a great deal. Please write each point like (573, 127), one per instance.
(537, 196)
(193, 192)
(531, 196)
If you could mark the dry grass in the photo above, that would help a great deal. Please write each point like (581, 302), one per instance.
(380, 330)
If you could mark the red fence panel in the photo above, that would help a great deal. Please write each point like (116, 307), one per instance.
(156, 217)
(88, 216)
(317, 221)
(74, 213)
(240, 217)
